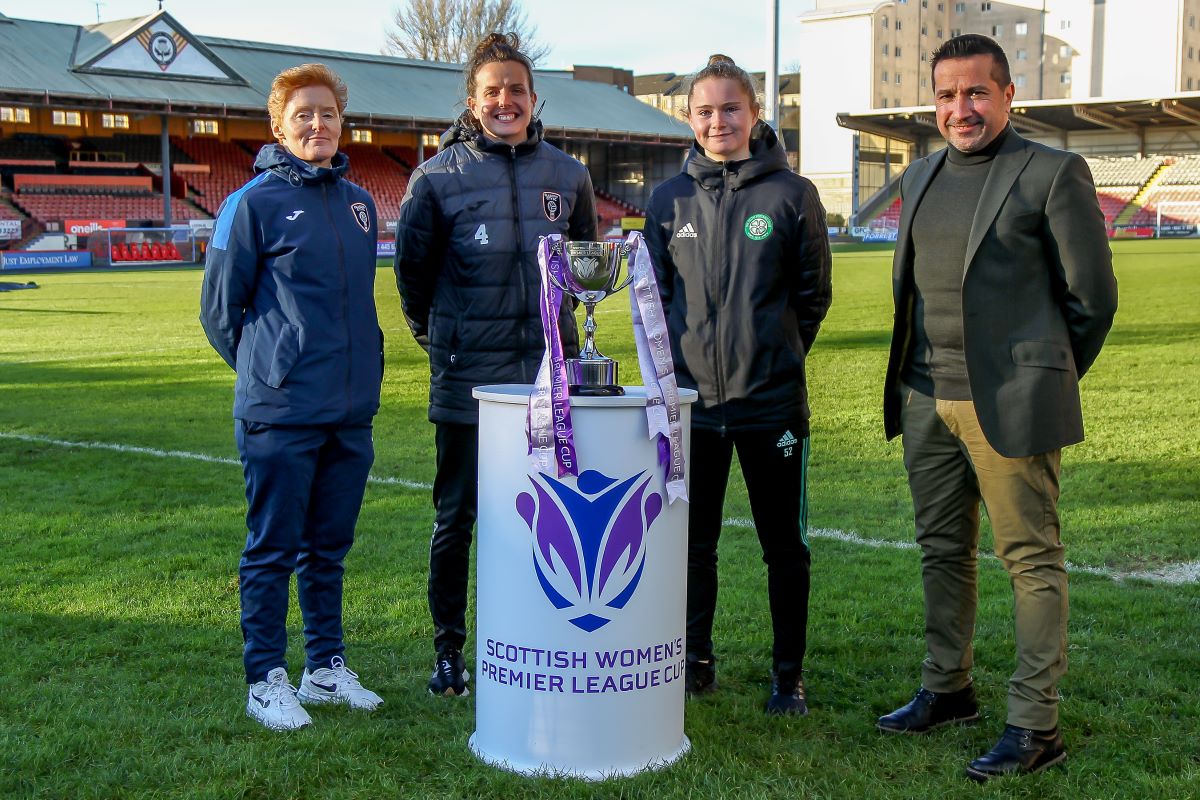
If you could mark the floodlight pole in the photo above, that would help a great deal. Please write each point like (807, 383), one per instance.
(772, 88)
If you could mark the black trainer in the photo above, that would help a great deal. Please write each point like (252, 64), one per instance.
(1020, 751)
(699, 675)
(929, 710)
(450, 674)
(787, 693)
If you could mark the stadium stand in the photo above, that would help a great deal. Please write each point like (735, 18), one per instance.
(229, 166)
(381, 175)
(1184, 172)
(407, 156)
(889, 217)
(128, 148)
(1113, 201)
(54, 204)
(1172, 215)
(33, 147)
(610, 210)
(1120, 182)
(1123, 172)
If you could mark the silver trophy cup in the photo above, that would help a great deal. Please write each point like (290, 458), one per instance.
(593, 271)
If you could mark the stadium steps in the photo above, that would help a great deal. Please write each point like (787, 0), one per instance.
(8, 210)
(1139, 199)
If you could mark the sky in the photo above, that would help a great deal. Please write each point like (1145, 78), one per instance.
(644, 36)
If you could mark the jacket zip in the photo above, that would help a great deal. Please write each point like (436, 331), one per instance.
(345, 296)
(722, 230)
(517, 260)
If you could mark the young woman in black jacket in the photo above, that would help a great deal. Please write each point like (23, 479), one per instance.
(741, 251)
(469, 283)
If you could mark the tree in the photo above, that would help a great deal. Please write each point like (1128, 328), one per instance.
(448, 30)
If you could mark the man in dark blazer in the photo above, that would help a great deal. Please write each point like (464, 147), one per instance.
(1004, 293)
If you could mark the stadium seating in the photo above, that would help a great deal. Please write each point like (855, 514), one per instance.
(33, 147)
(384, 177)
(407, 156)
(1184, 172)
(8, 212)
(1114, 200)
(129, 148)
(1174, 215)
(610, 210)
(230, 165)
(1132, 171)
(888, 218)
(135, 208)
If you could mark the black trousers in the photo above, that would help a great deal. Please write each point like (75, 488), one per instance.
(455, 503)
(774, 463)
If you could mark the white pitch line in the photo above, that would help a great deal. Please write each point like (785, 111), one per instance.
(1184, 572)
(111, 354)
(183, 454)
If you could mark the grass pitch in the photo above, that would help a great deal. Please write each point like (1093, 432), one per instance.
(121, 674)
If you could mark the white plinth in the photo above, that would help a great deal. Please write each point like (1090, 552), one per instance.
(581, 595)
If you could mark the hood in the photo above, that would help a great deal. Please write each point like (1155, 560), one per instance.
(277, 159)
(469, 135)
(766, 156)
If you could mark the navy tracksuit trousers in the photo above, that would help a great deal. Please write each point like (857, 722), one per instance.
(304, 489)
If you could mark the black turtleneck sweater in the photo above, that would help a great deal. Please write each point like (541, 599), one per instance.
(936, 364)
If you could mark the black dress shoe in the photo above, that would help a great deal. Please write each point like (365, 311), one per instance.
(787, 694)
(1019, 751)
(929, 710)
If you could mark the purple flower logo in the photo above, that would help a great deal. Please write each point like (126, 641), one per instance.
(589, 543)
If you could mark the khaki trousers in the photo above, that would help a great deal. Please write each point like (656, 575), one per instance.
(951, 467)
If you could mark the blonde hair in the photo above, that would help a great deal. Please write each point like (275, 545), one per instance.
(722, 66)
(295, 78)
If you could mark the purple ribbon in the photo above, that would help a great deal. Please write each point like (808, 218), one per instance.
(657, 366)
(548, 425)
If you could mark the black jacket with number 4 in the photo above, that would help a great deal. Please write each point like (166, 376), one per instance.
(466, 259)
(741, 251)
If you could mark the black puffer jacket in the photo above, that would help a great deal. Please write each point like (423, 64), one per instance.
(466, 259)
(741, 251)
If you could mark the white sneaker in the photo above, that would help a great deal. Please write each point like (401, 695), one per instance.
(273, 703)
(337, 684)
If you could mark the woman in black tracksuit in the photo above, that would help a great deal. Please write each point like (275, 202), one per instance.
(741, 251)
(469, 282)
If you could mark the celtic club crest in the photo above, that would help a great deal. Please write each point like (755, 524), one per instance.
(589, 542)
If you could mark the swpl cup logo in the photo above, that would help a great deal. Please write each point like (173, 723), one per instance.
(589, 543)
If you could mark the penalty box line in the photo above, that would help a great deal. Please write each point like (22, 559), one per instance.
(1186, 572)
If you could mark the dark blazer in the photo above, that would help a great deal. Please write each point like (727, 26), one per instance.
(1038, 295)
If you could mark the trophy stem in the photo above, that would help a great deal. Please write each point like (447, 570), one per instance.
(589, 351)
(592, 373)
